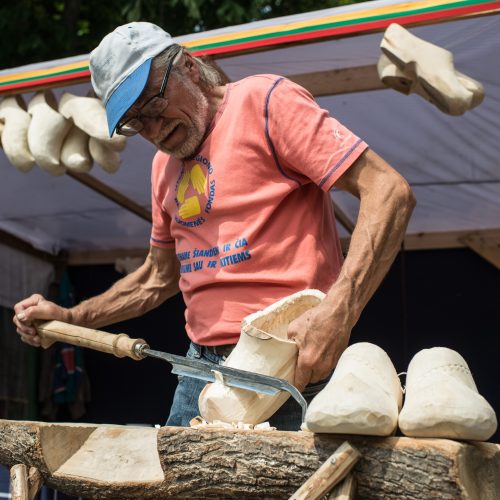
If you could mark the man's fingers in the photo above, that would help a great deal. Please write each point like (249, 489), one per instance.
(28, 302)
(44, 310)
(26, 330)
(310, 370)
(33, 341)
(303, 373)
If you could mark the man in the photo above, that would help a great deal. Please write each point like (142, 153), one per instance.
(241, 207)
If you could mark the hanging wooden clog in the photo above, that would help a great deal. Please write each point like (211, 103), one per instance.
(46, 133)
(15, 133)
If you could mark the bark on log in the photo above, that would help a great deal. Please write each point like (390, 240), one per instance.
(95, 461)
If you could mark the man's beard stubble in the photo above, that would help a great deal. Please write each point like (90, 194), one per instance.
(196, 130)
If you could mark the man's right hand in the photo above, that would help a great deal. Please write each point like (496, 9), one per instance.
(34, 308)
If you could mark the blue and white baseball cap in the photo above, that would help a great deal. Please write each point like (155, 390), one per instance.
(120, 65)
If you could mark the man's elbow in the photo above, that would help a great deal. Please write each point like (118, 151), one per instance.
(402, 195)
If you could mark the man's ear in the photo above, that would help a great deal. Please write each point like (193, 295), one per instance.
(191, 67)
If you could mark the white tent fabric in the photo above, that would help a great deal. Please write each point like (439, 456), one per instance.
(451, 162)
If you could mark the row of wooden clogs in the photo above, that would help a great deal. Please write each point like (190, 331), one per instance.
(364, 395)
(69, 135)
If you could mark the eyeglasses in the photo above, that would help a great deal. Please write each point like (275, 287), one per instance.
(151, 109)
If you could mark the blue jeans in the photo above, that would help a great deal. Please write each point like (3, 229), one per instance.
(185, 403)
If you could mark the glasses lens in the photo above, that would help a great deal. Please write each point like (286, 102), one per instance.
(154, 107)
(130, 127)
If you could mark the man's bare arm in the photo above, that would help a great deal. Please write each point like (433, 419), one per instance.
(135, 294)
(386, 203)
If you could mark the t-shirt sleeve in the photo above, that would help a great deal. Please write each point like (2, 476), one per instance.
(160, 231)
(307, 143)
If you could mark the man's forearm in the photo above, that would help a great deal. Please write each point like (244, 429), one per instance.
(384, 213)
(135, 294)
(322, 333)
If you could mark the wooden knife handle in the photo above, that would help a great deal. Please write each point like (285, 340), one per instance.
(120, 345)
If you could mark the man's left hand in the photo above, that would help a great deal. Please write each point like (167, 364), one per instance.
(321, 339)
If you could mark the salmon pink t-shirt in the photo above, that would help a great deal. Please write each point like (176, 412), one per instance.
(250, 216)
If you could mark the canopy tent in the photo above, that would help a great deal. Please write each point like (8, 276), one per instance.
(451, 162)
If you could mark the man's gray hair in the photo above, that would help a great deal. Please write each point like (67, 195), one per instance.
(209, 75)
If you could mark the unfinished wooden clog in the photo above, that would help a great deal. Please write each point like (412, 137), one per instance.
(46, 132)
(434, 69)
(75, 154)
(442, 400)
(15, 133)
(363, 396)
(408, 82)
(263, 348)
(89, 114)
(109, 160)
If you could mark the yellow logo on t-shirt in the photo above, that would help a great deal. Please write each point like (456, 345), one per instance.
(190, 207)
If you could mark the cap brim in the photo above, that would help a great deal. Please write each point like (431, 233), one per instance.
(125, 95)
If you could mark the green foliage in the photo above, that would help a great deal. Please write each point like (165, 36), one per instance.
(40, 30)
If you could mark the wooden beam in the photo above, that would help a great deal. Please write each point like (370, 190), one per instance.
(444, 240)
(95, 257)
(488, 247)
(418, 241)
(111, 194)
(16, 243)
(340, 81)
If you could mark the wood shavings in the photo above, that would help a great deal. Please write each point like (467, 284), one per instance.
(199, 422)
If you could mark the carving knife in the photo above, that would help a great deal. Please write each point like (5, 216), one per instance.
(122, 345)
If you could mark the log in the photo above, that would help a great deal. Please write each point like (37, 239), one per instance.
(97, 461)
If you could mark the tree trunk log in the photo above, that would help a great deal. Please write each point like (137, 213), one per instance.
(96, 461)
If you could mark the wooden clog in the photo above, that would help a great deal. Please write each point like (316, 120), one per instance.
(442, 400)
(363, 396)
(263, 348)
(15, 133)
(433, 68)
(46, 132)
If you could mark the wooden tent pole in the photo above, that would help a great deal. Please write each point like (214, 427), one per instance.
(111, 194)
